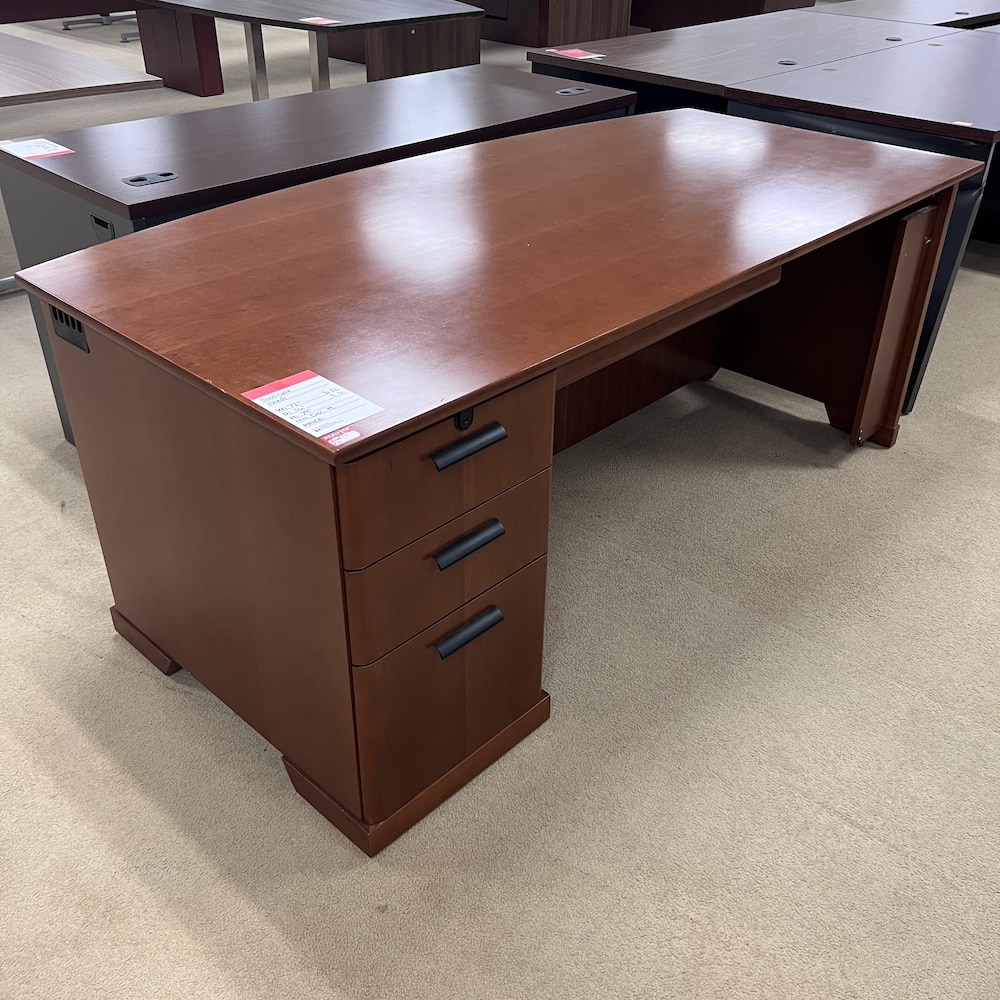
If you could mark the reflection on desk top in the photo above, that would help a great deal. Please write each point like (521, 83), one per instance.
(304, 137)
(709, 57)
(308, 14)
(952, 13)
(946, 86)
(450, 277)
(32, 72)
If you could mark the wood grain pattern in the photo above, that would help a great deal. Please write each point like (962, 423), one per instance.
(182, 48)
(707, 58)
(304, 137)
(889, 87)
(345, 14)
(419, 716)
(967, 14)
(407, 591)
(405, 49)
(447, 259)
(30, 72)
(200, 572)
(661, 14)
(371, 528)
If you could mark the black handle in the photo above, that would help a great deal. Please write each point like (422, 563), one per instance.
(465, 447)
(466, 633)
(469, 543)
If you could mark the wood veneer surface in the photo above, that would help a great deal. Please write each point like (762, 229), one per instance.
(30, 71)
(942, 86)
(709, 57)
(305, 136)
(12, 11)
(452, 276)
(347, 14)
(662, 14)
(967, 13)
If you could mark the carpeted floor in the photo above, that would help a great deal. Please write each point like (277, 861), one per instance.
(772, 765)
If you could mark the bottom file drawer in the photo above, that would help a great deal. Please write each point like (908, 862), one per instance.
(418, 714)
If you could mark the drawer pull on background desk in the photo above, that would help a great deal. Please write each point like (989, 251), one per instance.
(466, 633)
(469, 543)
(465, 448)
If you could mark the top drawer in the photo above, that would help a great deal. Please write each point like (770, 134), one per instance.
(388, 499)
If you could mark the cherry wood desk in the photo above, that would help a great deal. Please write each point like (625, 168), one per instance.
(951, 13)
(870, 82)
(30, 71)
(659, 15)
(59, 204)
(372, 599)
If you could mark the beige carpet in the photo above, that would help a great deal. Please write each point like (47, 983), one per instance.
(771, 771)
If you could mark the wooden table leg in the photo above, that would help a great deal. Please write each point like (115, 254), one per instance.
(182, 49)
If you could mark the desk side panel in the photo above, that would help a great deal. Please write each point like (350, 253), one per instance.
(221, 547)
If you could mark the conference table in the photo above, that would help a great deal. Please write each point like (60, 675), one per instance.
(948, 13)
(318, 445)
(909, 84)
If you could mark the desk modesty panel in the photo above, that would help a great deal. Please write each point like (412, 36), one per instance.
(478, 307)
(659, 15)
(102, 190)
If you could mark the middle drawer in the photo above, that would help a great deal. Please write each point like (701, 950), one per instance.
(400, 595)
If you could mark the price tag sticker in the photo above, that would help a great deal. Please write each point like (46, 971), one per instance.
(315, 405)
(33, 149)
(576, 53)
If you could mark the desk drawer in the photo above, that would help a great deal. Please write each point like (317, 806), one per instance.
(392, 600)
(419, 715)
(388, 499)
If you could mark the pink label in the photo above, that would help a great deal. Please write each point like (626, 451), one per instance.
(282, 383)
(576, 53)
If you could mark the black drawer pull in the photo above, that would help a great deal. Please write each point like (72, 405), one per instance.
(469, 543)
(466, 447)
(466, 633)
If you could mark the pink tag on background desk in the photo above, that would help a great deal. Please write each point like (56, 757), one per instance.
(576, 53)
(313, 404)
(33, 149)
(318, 20)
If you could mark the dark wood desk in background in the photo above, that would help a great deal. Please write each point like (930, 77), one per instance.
(659, 15)
(401, 36)
(872, 76)
(372, 601)
(59, 204)
(948, 13)
(554, 22)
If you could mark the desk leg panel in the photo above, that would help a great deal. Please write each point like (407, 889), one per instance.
(182, 49)
(812, 333)
(405, 49)
(221, 544)
(374, 837)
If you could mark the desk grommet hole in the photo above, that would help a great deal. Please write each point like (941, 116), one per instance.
(787, 62)
(893, 38)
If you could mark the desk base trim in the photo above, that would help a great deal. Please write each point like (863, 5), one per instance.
(143, 643)
(373, 837)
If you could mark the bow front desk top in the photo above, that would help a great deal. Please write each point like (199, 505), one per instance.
(368, 592)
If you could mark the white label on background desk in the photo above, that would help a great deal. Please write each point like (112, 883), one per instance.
(314, 404)
(318, 20)
(33, 149)
(576, 53)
